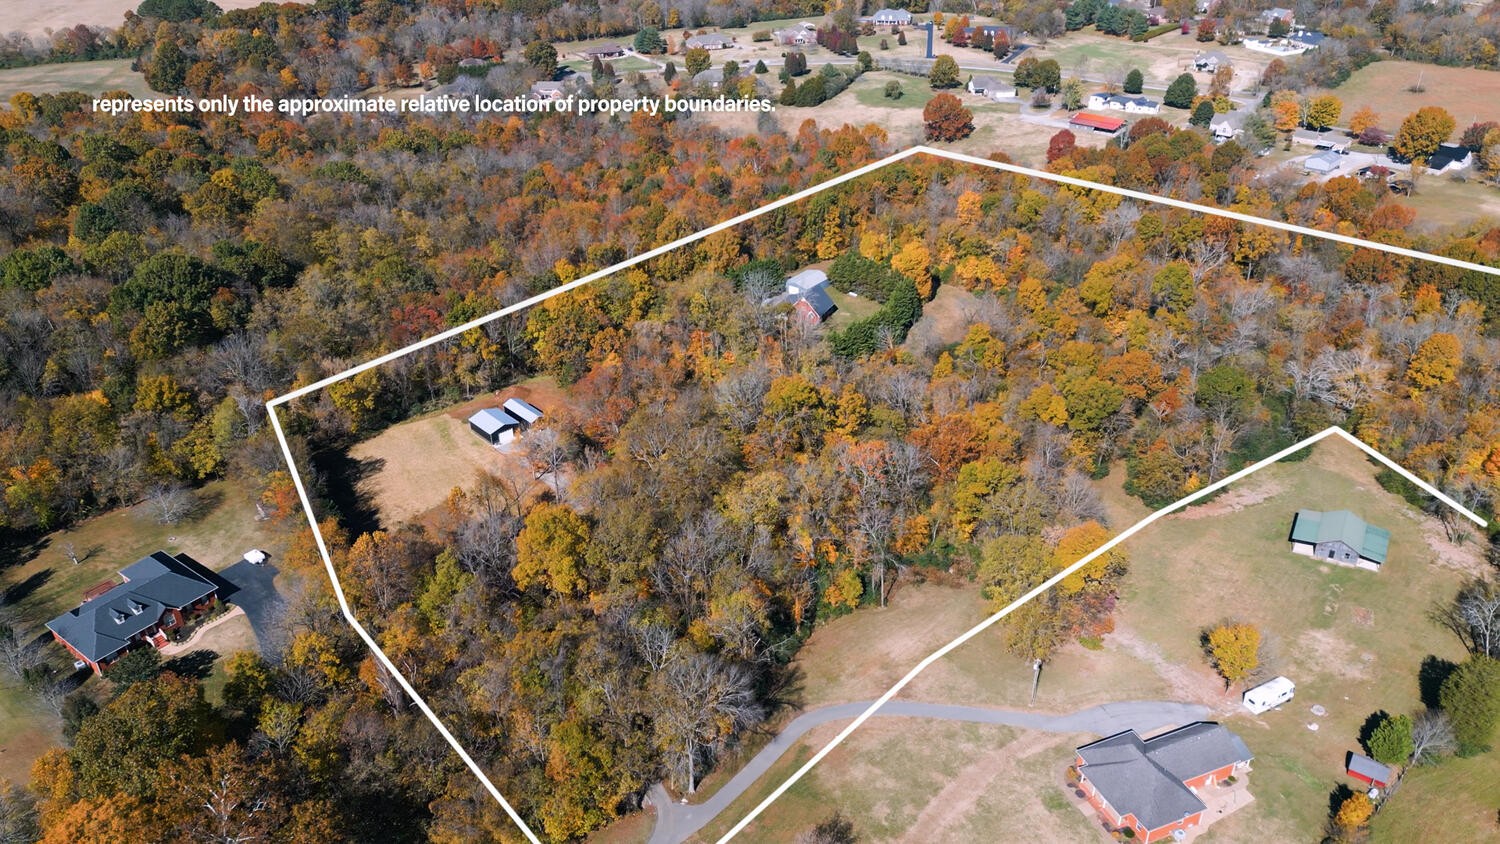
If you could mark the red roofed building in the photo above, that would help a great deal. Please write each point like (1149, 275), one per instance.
(1097, 122)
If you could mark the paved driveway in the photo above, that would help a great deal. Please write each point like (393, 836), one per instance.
(676, 822)
(252, 588)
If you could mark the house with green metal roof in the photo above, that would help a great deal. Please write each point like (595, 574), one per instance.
(1340, 537)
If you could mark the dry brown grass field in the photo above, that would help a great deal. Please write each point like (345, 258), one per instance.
(1470, 95)
(38, 18)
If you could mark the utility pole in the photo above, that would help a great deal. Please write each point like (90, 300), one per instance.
(1036, 678)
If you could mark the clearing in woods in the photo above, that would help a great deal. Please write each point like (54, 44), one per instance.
(1351, 639)
(410, 468)
(44, 583)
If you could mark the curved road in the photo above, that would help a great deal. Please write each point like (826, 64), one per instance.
(676, 822)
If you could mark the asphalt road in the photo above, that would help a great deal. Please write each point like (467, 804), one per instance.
(676, 822)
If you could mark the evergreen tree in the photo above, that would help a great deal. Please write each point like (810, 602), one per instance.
(1203, 113)
(1182, 92)
(1134, 81)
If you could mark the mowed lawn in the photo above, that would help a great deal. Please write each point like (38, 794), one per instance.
(88, 77)
(916, 780)
(1410, 816)
(46, 584)
(1469, 94)
(1351, 639)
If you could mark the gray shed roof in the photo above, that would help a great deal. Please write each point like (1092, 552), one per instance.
(522, 410)
(1145, 777)
(710, 40)
(492, 420)
(820, 301)
(1368, 768)
(1368, 541)
(103, 626)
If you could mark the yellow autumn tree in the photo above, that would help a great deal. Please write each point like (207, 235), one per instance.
(1234, 649)
(1435, 363)
(915, 262)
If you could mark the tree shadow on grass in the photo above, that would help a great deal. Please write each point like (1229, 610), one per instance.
(341, 475)
(18, 592)
(1430, 677)
(195, 664)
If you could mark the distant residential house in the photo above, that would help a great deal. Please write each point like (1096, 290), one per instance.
(549, 90)
(1270, 16)
(1156, 15)
(160, 593)
(710, 78)
(1097, 122)
(604, 51)
(1449, 157)
(1211, 61)
(710, 41)
(1306, 38)
(1367, 770)
(1331, 141)
(1228, 125)
(891, 18)
(795, 36)
(1340, 537)
(1154, 787)
(1324, 163)
(991, 86)
(1125, 103)
(807, 293)
(502, 425)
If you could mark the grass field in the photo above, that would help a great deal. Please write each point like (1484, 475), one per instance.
(911, 780)
(1351, 639)
(226, 639)
(38, 18)
(45, 584)
(88, 77)
(622, 65)
(1470, 95)
(1087, 53)
(1409, 816)
(1441, 201)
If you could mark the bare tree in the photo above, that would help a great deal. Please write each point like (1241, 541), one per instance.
(1474, 616)
(547, 449)
(703, 702)
(1431, 736)
(170, 503)
(17, 653)
(70, 550)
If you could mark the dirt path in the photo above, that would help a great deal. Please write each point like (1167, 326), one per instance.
(1186, 683)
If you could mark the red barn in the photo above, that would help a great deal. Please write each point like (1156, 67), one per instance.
(1367, 770)
(1151, 786)
(1097, 122)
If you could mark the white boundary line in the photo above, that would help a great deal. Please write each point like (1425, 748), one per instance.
(1054, 579)
(750, 215)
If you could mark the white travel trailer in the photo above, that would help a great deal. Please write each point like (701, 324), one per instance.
(1269, 695)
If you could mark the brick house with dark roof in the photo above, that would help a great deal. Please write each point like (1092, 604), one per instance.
(1153, 786)
(160, 594)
